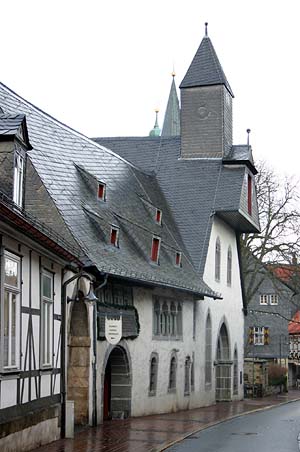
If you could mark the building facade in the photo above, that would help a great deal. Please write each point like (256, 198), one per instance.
(157, 221)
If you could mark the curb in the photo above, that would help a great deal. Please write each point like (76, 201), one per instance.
(220, 421)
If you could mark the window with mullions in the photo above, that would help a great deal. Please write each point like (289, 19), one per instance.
(167, 318)
(11, 312)
(47, 301)
(116, 294)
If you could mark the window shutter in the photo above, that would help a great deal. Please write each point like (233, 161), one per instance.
(266, 335)
(251, 335)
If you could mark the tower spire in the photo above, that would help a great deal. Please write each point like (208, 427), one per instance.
(206, 34)
(171, 125)
(155, 132)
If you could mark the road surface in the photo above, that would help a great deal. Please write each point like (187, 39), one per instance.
(274, 430)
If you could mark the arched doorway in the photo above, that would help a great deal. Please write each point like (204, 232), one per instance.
(79, 362)
(117, 385)
(223, 366)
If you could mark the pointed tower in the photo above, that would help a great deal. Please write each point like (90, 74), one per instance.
(155, 132)
(171, 125)
(206, 106)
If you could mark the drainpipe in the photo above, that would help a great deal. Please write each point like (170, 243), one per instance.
(94, 415)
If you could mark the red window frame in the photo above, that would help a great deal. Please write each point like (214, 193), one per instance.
(158, 216)
(249, 194)
(101, 191)
(178, 259)
(114, 236)
(155, 249)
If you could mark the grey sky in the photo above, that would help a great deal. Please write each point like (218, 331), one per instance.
(103, 67)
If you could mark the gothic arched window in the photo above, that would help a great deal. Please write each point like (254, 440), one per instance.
(153, 374)
(229, 266)
(208, 351)
(218, 260)
(172, 374)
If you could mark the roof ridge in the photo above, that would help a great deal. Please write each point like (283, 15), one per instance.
(65, 126)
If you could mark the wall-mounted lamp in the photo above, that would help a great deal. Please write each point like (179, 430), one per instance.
(89, 298)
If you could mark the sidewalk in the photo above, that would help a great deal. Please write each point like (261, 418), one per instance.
(155, 433)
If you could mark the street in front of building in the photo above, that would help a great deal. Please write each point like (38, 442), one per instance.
(276, 429)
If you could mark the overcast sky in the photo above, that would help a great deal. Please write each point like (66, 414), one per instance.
(102, 67)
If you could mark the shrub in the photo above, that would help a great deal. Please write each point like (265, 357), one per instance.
(277, 374)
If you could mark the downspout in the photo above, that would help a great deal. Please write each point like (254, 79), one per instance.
(94, 415)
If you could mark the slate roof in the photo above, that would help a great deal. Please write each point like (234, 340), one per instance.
(70, 164)
(241, 153)
(10, 125)
(205, 68)
(171, 125)
(195, 189)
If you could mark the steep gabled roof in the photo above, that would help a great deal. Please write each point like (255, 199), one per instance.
(294, 325)
(195, 189)
(205, 69)
(11, 124)
(68, 163)
(171, 125)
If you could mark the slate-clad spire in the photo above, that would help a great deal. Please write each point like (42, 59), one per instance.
(205, 69)
(171, 126)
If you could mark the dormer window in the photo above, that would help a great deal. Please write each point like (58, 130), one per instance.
(102, 191)
(114, 236)
(155, 249)
(158, 216)
(178, 259)
(18, 179)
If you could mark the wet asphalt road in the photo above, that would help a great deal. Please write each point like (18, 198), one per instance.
(274, 430)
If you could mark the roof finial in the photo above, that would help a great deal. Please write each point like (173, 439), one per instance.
(248, 136)
(173, 72)
(206, 34)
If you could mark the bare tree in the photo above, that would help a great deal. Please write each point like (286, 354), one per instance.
(279, 240)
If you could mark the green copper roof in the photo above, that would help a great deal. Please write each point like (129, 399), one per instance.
(155, 132)
(171, 126)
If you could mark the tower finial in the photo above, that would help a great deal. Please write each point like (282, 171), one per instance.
(206, 34)
(155, 132)
(173, 72)
(248, 136)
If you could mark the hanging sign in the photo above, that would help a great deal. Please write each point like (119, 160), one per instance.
(113, 329)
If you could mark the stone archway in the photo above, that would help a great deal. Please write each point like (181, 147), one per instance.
(223, 366)
(117, 385)
(79, 361)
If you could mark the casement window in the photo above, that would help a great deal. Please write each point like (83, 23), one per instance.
(187, 376)
(153, 374)
(273, 298)
(167, 319)
(18, 179)
(229, 266)
(235, 373)
(155, 249)
(10, 322)
(259, 335)
(172, 375)
(249, 194)
(218, 260)
(158, 216)
(114, 236)
(265, 299)
(208, 351)
(101, 191)
(47, 301)
(178, 259)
